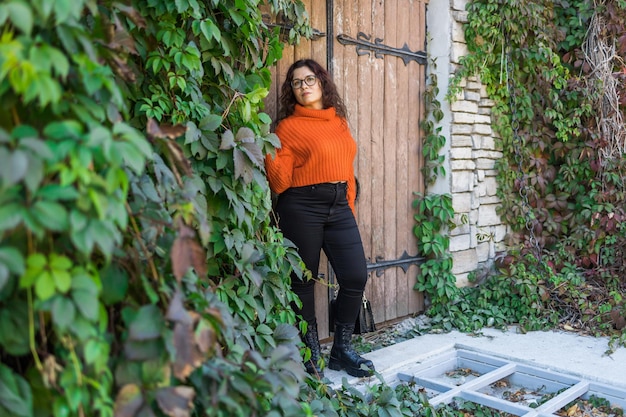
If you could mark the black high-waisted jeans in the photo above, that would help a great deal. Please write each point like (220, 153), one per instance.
(317, 217)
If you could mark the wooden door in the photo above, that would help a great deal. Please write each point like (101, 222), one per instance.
(373, 49)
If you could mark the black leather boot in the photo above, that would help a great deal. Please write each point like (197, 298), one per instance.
(343, 356)
(312, 341)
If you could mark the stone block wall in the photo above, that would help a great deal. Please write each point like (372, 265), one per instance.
(471, 150)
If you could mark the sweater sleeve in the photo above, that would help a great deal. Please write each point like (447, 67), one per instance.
(279, 170)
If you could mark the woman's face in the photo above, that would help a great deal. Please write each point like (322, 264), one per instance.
(309, 96)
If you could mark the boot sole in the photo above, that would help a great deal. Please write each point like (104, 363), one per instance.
(336, 365)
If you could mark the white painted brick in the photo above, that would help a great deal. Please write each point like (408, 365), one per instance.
(473, 238)
(485, 163)
(460, 16)
(464, 261)
(462, 181)
(474, 84)
(490, 198)
(464, 106)
(487, 215)
(459, 243)
(459, 5)
(484, 119)
(482, 251)
(482, 128)
(462, 165)
(500, 232)
(481, 189)
(466, 118)
(462, 129)
(473, 216)
(462, 202)
(458, 50)
(461, 227)
(487, 154)
(491, 186)
(488, 143)
(458, 141)
(461, 153)
(458, 33)
(473, 96)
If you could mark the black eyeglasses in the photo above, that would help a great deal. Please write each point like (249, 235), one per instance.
(308, 80)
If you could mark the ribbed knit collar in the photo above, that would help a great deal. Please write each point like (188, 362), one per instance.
(326, 114)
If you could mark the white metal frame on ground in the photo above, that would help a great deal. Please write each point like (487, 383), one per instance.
(566, 388)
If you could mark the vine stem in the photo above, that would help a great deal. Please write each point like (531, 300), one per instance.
(232, 100)
(69, 343)
(31, 331)
(155, 274)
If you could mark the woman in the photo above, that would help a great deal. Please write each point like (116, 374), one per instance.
(313, 175)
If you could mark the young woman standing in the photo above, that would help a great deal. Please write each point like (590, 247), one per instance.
(313, 175)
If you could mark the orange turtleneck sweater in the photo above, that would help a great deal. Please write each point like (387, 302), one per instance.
(316, 147)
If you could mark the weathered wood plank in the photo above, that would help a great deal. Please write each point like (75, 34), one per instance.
(417, 30)
(376, 175)
(403, 158)
(318, 21)
(364, 119)
(391, 109)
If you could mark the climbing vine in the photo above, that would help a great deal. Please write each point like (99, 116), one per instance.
(434, 213)
(139, 272)
(555, 181)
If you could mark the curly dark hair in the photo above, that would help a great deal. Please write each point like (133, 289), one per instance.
(330, 96)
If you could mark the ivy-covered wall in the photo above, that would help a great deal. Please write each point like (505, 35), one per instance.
(470, 150)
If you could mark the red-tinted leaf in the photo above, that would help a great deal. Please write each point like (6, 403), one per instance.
(206, 338)
(243, 167)
(129, 400)
(176, 311)
(187, 253)
(188, 356)
(163, 131)
(176, 401)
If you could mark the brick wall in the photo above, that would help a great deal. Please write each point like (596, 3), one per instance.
(471, 151)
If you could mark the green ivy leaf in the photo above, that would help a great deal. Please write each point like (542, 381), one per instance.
(4, 276)
(51, 215)
(63, 312)
(20, 15)
(12, 259)
(81, 234)
(106, 235)
(45, 286)
(147, 324)
(82, 328)
(13, 166)
(14, 327)
(15, 394)
(87, 303)
(56, 192)
(35, 265)
(83, 281)
(210, 30)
